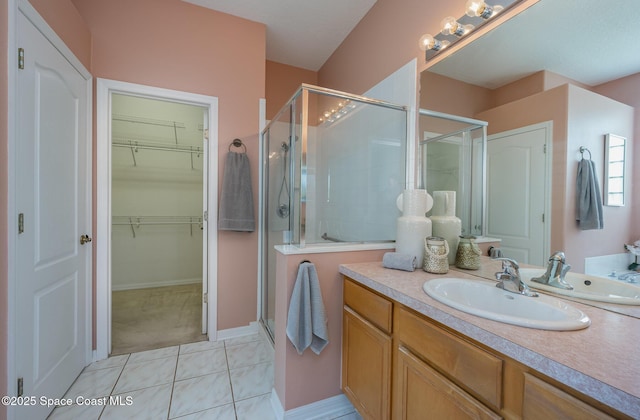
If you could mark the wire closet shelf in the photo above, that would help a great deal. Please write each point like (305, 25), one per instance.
(136, 221)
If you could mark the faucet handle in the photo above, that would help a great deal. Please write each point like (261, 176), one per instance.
(508, 262)
(558, 256)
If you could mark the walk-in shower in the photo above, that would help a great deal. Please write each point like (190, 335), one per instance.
(332, 167)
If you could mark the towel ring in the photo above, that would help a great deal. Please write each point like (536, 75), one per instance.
(584, 149)
(238, 143)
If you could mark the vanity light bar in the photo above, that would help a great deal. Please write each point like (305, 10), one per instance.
(477, 14)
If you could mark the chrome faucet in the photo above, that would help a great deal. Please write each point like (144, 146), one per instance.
(556, 271)
(509, 278)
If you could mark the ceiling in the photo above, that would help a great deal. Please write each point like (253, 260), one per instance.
(585, 40)
(299, 33)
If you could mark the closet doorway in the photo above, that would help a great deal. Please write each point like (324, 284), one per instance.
(157, 189)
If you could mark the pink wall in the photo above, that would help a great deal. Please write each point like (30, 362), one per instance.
(444, 94)
(282, 81)
(4, 234)
(384, 40)
(177, 45)
(307, 378)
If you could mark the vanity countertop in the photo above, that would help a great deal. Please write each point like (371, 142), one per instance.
(601, 361)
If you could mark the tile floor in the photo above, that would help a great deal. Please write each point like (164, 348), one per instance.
(229, 379)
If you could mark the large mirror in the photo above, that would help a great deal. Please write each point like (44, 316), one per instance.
(548, 82)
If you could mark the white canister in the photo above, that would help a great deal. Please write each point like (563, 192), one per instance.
(413, 226)
(445, 224)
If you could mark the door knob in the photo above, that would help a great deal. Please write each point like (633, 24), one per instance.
(84, 239)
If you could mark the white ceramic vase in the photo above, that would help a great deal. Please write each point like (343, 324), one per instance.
(413, 226)
(445, 223)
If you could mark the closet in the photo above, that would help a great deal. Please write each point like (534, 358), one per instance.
(157, 199)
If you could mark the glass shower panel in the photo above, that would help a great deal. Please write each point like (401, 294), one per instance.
(276, 212)
(355, 169)
(333, 165)
(452, 159)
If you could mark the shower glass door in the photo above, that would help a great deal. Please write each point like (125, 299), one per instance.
(276, 211)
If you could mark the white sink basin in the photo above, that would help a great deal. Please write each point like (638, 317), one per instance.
(587, 287)
(487, 301)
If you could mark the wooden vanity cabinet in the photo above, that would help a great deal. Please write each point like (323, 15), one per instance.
(449, 376)
(366, 351)
(437, 373)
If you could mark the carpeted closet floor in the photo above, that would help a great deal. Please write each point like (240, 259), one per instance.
(146, 319)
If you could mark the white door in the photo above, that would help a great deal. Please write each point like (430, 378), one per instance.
(517, 192)
(205, 225)
(52, 192)
(105, 89)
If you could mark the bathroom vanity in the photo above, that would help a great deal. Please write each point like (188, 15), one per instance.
(406, 355)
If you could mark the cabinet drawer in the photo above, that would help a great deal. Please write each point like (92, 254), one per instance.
(374, 308)
(421, 392)
(545, 401)
(471, 367)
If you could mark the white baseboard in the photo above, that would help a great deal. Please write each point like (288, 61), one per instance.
(329, 408)
(131, 286)
(252, 328)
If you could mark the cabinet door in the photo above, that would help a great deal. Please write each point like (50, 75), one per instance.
(422, 393)
(544, 401)
(366, 366)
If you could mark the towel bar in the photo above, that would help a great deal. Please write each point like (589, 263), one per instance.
(584, 149)
(238, 143)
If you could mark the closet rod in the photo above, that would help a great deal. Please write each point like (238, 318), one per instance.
(157, 220)
(149, 146)
(149, 121)
(137, 221)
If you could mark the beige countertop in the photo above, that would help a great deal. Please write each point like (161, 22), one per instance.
(601, 361)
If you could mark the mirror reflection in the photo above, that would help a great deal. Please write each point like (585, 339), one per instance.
(452, 159)
(545, 92)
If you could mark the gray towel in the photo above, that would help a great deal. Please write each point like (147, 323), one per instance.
(588, 200)
(307, 319)
(399, 261)
(236, 199)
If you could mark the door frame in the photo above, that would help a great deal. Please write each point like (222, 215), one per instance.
(547, 126)
(104, 89)
(14, 8)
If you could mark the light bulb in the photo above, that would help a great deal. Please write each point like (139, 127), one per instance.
(478, 8)
(428, 42)
(450, 26)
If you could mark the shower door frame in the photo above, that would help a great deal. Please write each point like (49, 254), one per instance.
(104, 89)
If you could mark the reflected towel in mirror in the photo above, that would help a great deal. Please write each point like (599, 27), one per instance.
(588, 199)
